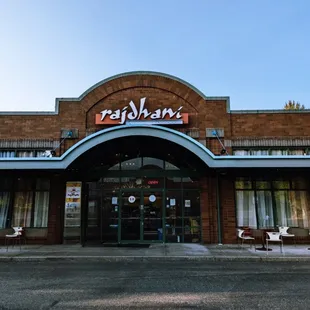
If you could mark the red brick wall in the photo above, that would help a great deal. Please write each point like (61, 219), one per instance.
(228, 216)
(271, 125)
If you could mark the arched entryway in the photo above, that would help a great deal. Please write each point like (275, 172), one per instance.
(141, 189)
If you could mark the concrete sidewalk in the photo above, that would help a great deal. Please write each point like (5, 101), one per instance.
(164, 252)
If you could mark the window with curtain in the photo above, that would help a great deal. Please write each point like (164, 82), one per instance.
(259, 152)
(40, 216)
(4, 154)
(22, 209)
(279, 152)
(25, 153)
(245, 203)
(31, 202)
(4, 207)
(241, 152)
(283, 204)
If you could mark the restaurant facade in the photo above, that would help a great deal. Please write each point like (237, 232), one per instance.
(145, 157)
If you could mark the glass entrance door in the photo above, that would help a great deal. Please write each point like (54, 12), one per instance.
(141, 215)
(130, 216)
(152, 215)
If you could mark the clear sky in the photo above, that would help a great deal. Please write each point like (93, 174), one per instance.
(255, 51)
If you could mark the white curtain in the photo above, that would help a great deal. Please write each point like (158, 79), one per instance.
(4, 154)
(279, 152)
(241, 152)
(22, 209)
(299, 209)
(246, 215)
(41, 209)
(259, 152)
(292, 208)
(25, 153)
(264, 209)
(4, 206)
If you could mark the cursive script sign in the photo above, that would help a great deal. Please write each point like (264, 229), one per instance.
(141, 114)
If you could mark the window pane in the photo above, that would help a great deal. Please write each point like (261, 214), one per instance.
(170, 166)
(296, 152)
(5, 183)
(259, 152)
(110, 183)
(299, 183)
(41, 209)
(241, 152)
(191, 201)
(284, 216)
(43, 184)
(23, 184)
(4, 154)
(173, 182)
(22, 209)
(173, 226)
(292, 208)
(25, 154)
(262, 184)
(4, 207)
(281, 184)
(279, 152)
(152, 163)
(132, 164)
(264, 209)
(245, 203)
(243, 183)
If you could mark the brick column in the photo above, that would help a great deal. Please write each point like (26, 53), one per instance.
(228, 209)
(56, 210)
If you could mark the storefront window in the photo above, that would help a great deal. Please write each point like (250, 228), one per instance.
(245, 205)
(152, 163)
(285, 203)
(132, 164)
(23, 202)
(174, 223)
(41, 203)
(4, 207)
(173, 182)
(264, 209)
(191, 200)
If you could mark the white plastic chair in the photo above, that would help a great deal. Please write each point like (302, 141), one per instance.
(274, 237)
(17, 235)
(283, 231)
(245, 238)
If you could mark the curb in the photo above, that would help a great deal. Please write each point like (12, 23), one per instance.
(109, 259)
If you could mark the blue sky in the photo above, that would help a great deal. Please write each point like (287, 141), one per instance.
(257, 52)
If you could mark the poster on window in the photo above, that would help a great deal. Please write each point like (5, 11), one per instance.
(187, 203)
(73, 204)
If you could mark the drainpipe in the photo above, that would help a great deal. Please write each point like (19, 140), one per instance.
(218, 206)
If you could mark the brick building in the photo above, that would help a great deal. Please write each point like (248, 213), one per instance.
(146, 157)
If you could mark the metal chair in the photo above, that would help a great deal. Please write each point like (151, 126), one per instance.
(283, 231)
(16, 236)
(274, 237)
(245, 238)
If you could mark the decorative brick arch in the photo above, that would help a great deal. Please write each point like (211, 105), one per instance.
(134, 79)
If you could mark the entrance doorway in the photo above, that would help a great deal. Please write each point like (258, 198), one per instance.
(141, 215)
(140, 193)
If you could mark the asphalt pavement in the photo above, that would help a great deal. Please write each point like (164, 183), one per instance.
(149, 285)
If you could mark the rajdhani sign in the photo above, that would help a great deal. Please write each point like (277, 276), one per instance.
(138, 114)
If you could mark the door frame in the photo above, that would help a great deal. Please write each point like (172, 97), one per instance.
(141, 192)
